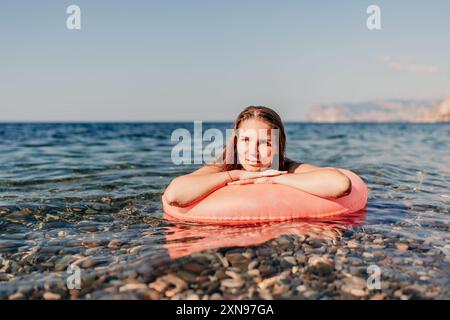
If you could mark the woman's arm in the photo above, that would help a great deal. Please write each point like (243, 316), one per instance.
(322, 182)
(184, 190)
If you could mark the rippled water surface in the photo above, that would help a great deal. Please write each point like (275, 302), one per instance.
(89, 195)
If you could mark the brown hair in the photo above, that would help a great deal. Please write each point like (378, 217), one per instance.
(254, 112)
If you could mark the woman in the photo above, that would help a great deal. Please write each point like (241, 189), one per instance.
(251, 156)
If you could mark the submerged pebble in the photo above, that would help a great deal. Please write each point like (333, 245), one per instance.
(320, 265)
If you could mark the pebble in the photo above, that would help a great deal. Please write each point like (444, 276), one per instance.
(17, 296)
(63, 263)
(252, 265)
(398, 293)
(377, 296)
(222, 260)
(418, 262)
(265, 294)
(378, 241)
(231, 283)
(357, 271)
(379, 254)
(233, 275)
(165, 281)
(254, 273)
(5, 244)
(91, 262)
(194, 267)
(280, 290)
(267, 270)
(238, 260)
(132, 287)
(415, 290)
(354, 260)
(186, 276)
(300, 257)
(158, 285)
(6, 276)
(90, 211)
(105, 200)
(216, 296)
(402, 247)
(220, 274)
(149, 294)
(355, 286)
(88, 228)
(192, 296)
(92, 243)
(320, 265)
(301, 288)
(51, 296)
(342, 251)
(310, 294)
(352, 244)
(271, 281)
(291, 260)
(316, 242)
(212, 287)
(115, 244)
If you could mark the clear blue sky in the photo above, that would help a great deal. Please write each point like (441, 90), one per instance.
(206, 60)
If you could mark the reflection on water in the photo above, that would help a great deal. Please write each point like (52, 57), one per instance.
(183, 240)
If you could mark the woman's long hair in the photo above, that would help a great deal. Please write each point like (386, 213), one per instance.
(229, 157)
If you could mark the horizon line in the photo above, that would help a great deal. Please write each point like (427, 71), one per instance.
(205, 121)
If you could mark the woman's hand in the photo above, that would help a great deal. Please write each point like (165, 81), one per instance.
(249, 177)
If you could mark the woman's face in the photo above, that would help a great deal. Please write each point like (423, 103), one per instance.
(255, 147)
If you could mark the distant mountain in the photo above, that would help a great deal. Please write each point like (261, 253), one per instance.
(383, 111)
(441, 112)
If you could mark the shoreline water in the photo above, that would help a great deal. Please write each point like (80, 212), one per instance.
(288, 267)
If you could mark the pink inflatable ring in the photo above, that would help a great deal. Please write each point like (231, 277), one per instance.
(262, 203)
